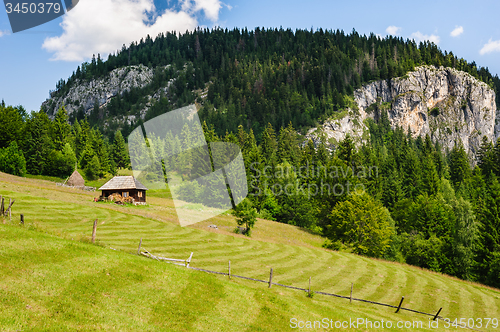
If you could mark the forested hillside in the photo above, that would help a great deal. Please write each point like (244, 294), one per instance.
(255, 77)
(394, 196)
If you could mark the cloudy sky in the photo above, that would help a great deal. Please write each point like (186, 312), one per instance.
(32, 61)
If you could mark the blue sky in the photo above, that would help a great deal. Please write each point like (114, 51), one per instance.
(32, 61)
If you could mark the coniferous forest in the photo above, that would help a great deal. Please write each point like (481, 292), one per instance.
(258, 77)
(395, 196)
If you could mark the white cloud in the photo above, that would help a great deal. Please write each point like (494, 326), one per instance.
(103, 26)
(4, 33)
(491, 46)
(419, 37)
(393, 30)
(211, 8)
(457, 31)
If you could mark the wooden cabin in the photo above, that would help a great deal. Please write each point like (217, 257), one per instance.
(126, 186)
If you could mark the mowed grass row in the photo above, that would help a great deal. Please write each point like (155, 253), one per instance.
(53, 284)
(293, 265)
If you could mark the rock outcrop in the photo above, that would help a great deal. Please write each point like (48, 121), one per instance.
(444, 103)
(84, 94)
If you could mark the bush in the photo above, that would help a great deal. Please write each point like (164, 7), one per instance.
(245, 215)
(363, 223)
(435, 111)
(12, 160)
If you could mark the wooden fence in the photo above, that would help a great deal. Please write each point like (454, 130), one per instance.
(270, 283)
(3, 211)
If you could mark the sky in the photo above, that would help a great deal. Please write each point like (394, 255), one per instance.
(32, 61)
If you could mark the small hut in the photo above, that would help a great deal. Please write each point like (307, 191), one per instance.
(125, 186)
(75, 180)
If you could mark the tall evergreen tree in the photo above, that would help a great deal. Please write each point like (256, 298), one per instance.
(119, 151)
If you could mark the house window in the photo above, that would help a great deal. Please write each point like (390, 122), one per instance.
(139, 194)
(125, 194)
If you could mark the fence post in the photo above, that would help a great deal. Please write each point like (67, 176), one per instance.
(2, 209)
(350, 300)
(437, 314)
(94, 231)
(10, 209)
(400, 303)
(139, 249)
(271, 278)
(229, 270)
(189, 260)
(22, 219)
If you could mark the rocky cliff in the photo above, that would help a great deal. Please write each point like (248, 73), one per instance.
(447, 104)
(84, 94)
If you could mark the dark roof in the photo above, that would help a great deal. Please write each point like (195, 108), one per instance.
(123, 182)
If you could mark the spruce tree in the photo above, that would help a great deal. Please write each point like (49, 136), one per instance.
(119, 151)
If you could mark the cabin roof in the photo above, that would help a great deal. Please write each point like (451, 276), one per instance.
(123, 182)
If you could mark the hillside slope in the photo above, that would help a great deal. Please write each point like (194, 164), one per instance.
(82, 267)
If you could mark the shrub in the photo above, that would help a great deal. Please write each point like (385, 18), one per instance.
(12, 160)
(435, 111)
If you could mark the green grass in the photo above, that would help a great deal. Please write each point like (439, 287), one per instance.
(294, 255)
(51, 284)
(47, 178)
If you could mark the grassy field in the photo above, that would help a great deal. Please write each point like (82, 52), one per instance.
(294, 255)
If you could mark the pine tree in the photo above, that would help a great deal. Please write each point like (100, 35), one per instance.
(119, 151)
(92, 169)
(430, 180)
(486, 157)
(347, 151)
(411, 173)
(11, 125)
(38, 144)
(269, 146)
(489, 243)
(61, 129)
(459, 165)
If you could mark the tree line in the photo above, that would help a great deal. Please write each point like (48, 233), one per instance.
(35, 144)
(261, 76)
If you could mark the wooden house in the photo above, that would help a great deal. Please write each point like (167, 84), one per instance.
(126, 186)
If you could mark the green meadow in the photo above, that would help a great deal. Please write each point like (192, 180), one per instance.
(53, 278)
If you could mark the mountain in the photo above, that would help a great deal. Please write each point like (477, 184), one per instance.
(448, 105)
(250, 78)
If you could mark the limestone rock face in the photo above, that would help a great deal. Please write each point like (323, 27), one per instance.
(447, 104)
(85, 94)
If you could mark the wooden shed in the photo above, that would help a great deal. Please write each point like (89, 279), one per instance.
(126, 186)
